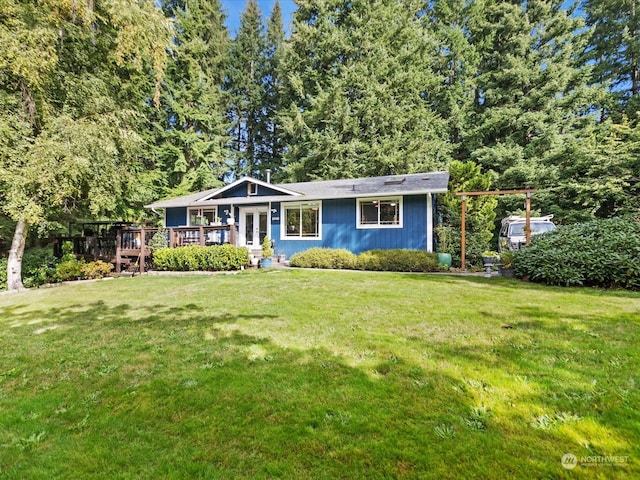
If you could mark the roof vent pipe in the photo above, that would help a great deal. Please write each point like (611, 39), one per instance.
(268, 175)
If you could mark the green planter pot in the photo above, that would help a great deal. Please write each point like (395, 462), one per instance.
(444, 259)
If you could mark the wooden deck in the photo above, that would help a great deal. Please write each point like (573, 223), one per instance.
(128, 248)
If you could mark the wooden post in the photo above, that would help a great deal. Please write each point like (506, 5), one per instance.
(172, 238)
(201, 236)
(118, 248)
(232, 235)
(527, 224)
(142, 249)
(463, 229)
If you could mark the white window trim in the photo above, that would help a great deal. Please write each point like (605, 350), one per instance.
(379, 199)
(252, 189)
(195, 209)
(283, 221)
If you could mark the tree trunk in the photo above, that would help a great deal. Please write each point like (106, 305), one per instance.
(14, 262)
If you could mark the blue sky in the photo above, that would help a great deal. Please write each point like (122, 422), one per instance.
(234, 9)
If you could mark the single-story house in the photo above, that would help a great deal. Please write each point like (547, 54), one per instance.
(385, 212)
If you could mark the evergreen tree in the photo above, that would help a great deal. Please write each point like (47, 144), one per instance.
(359, 88)
(597, 173)
(614, 52)
(530, 86)
(531, 92)
(245, 85)
(457, 62)
(271, 153)
(191, 128)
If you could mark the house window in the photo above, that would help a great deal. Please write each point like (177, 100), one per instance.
(302, 221)
(202, 216)
(252, 188)
(379, 212)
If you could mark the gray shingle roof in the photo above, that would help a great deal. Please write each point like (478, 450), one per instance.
(410, 184)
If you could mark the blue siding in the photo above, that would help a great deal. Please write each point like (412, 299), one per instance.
(241, 191)
(176, 217)
(339, 229)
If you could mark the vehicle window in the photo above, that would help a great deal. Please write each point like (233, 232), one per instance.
(517, 229)
(542, 227)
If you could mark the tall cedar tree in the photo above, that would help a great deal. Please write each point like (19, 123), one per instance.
(191, 127)
(457, 61)
(614, 52)
(360, 85)
(270, 155)
(530, 93)
(245, 85)
(72, 78)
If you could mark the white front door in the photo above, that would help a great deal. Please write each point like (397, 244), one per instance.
(253, 226)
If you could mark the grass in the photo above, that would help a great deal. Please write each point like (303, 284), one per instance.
(311, 374)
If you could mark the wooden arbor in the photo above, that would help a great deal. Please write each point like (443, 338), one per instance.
(464, 195)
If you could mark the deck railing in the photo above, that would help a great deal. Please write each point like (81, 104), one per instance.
(133, 244)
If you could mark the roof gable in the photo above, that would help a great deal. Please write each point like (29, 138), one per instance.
(242, 188)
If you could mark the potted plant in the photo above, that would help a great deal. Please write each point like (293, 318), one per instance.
(267, 253)
(505, 265)
(445, 245)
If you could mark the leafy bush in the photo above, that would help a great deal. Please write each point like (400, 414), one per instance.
(198, 258)
(3, 274)
(69, 270)
(97, 269)
(38, 267)
(324, 258)
(399, 260)
(603, 252)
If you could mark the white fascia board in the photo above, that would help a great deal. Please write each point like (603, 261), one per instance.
(207, 198)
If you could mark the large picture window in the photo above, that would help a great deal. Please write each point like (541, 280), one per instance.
(302, 220)
(379, 213)
(202, 216)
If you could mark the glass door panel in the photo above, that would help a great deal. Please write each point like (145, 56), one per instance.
(248, 229)
(263, 222)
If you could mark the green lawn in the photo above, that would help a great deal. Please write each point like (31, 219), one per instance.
(313, 374)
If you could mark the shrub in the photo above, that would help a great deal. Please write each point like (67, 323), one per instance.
(97, 269)
(324, 258)
(69, 270)
(3, 274)
(399, 260)
(159, 240)
(198, 258)
(603, 252)
(39, 266)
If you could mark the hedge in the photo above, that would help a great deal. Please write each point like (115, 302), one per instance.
(199, 258)
(602, 252)
(324, 258)
(397, 260)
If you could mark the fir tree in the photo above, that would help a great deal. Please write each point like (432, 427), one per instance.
(614, 52)
(245, 85)
(360, 85)
(192, 126)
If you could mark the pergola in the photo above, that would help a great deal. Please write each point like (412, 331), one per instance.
(464, 195)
